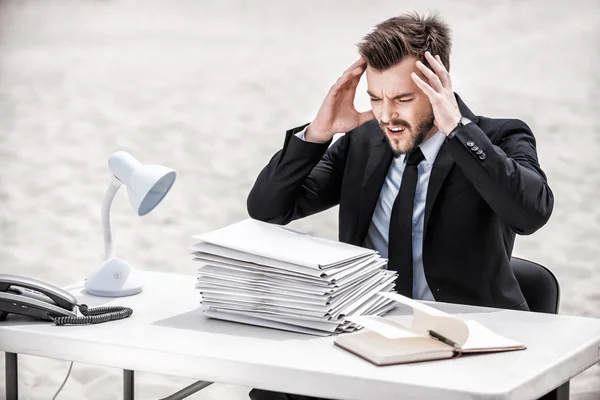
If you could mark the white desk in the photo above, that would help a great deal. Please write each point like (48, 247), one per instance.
(167, 334)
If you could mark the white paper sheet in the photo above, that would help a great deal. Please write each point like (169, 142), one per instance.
(278, 312)
(263, 322)
(234, 298)
(262, 294)
(275, 309)
(267, 275)
(280, 243)
(261, 273)
(481, 337)
(265, 298)
(328, 326)
(347, 274)
(426, 319)
(358, 298)
(361, 261)
(342, 294)
(384, 327)
(210, 252)
(207, 282)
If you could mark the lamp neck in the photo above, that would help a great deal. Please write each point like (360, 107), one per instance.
(114, 186)
(122, 165)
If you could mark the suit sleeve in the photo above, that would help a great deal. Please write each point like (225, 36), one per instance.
(301, 179)
(506, 174)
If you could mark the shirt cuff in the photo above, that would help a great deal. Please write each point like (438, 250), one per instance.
(301, 134)
(453, 131)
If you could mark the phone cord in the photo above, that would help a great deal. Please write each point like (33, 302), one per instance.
(94, 315)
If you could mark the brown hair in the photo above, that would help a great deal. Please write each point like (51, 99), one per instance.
(404, 36)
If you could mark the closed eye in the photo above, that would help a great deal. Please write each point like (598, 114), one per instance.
(398, 100)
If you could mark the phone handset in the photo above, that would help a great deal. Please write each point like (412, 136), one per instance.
(32, 297)
(61, 297)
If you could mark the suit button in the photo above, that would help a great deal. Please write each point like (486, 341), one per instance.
(482, 156)
(470, 144)
(474, 148)
(479, 152)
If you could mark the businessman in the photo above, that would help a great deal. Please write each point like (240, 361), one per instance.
(439, 191)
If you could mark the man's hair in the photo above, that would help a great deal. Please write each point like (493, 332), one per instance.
(404, 36)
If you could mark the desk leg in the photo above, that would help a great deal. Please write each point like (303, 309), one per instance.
(128, 385)
(560, 393)
(188, 391)
(12, 376)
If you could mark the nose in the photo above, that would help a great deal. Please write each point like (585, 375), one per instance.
(388, 113)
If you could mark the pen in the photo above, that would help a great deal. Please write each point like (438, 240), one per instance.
(442, 338)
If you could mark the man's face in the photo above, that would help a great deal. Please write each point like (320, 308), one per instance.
(401, 108)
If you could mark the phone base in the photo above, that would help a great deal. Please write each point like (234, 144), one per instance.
(115, 278)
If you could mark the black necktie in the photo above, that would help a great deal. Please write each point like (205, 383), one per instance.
(400, 237)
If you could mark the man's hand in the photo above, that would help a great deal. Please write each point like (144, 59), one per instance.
(440, 93)
(337, 113)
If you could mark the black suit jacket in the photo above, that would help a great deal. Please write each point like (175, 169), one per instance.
(475, 205)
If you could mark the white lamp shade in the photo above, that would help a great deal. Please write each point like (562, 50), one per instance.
(146, 185)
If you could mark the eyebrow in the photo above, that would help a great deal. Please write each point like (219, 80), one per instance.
(395, 97)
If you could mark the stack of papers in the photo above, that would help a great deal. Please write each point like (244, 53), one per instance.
(264, 274)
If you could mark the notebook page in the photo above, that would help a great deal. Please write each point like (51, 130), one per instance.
(427, 319)
(481, 338)
(382, 326)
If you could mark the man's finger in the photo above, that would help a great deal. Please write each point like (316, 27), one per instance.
(439, 70)
(434, 80)
(358, 63)
(447, 84)
(356, 75)
(350, 77)
(437, 57)
(428, 90)
(346, 90)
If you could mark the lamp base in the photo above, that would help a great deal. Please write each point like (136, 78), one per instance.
(115, 278)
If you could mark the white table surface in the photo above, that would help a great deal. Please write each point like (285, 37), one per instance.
(168, 334)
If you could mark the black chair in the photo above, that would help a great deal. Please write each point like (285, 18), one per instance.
(538, 284)
(542, 293)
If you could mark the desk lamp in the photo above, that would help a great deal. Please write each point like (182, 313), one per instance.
(146, 185)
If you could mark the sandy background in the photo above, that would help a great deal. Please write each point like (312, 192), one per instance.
(209, 88)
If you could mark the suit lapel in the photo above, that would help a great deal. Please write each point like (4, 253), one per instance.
(441, 167)
(376, 169)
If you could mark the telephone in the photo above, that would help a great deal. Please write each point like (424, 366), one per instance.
(40, 300)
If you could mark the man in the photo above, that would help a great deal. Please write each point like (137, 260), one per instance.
(437, 190)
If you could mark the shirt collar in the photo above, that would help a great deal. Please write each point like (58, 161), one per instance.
(430, 148)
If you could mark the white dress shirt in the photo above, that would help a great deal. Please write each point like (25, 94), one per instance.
(378, 233)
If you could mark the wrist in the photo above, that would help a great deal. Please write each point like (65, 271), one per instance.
(449, 128)
(315, 135)
(462, 121)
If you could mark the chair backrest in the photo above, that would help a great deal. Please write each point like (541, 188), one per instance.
(538, 284)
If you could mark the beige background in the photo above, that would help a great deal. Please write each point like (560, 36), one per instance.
(209, 88)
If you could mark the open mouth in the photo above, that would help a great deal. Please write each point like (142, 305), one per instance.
(394, 130)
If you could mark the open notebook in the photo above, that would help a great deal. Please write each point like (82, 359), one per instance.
(433, 335)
